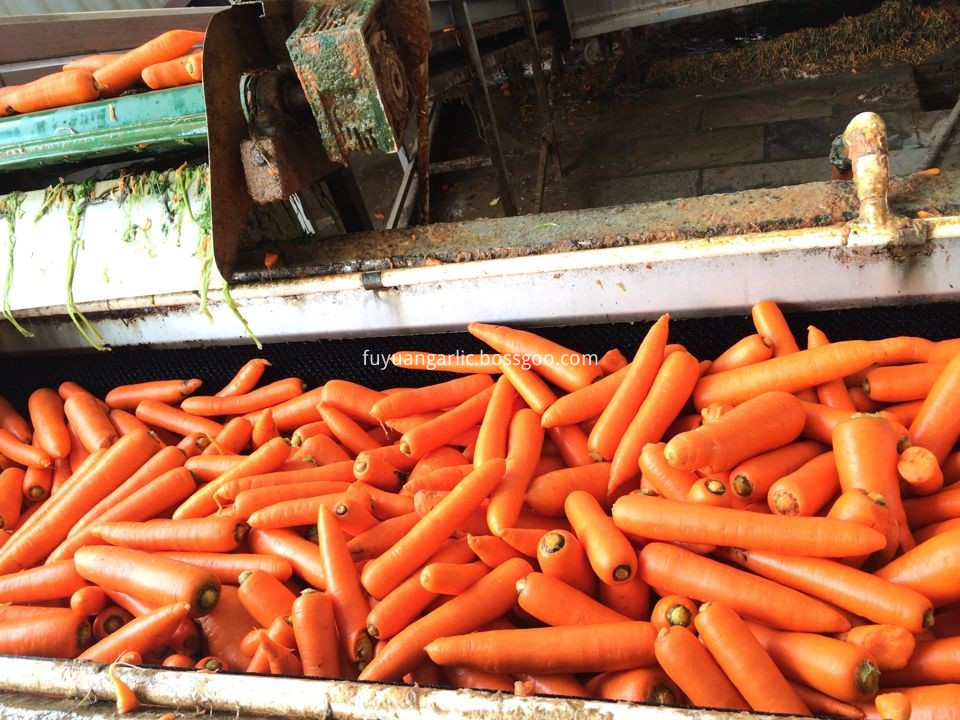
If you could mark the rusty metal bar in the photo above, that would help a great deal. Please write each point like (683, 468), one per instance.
(488, 118)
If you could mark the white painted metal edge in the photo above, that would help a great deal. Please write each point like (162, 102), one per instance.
(315, 698)
(818, 268)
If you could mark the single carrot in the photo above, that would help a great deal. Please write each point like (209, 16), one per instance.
(184, 70)
(293, 413)
(37, 482)
(746, 351)
(124, 422)
(124, 72)
(88, 600)
(689, 664)
(550, 650)
(788, 373)
(46, 582)
(152, 577)
(22, 453)
(11, 497)
(356, 401)
(488, 363)
(49, 527)
(691, 575)
(930, 568)
(401, 606)
(554, 602)
(90, 421)
(264, 430)
(868, 509)
(309, 430)
(315, 631)
(214, 534)
(932, 663)
(571, 444)
(345, 430)
(935, 508)
(745, 662)
(806, 490)
(822, 704)
(547, 493)
(429, 398)
(261, 398)
(264, 597)
(109, 620)
(834, 392)
(919, 469)
(561, 366)
(68, 87)
(611, 556)
(13, 422)
(668, 394)
(671, 610)
(489, 598)
(492, 442)
(752, 479)
(891, 646)
(763, 423)
(524, 445)
(491, 550)
(384, 573)
(902, 383)
(583, 404)
(893, 706)
(439, 431)
(556, 685)
(631, 598)
(143, 634)
(263, 460)
(224, 627)
(612, 361)
(299, 510)
(771, 324)
(645, 685)
(667, 520)
(171, 392)
(937, 425)
(49, 422)
(836, 668)
(862, 402)
(246, 378)
(186, 638)
(49, 635)
(303, 555)
(90, 62)
(178, 660)
(858, 592)
(461, 677)
(343, 587)
(668, 481)
(562, 556)
(626, 401)
(164, 416)
(529, 386)
(711, 490)
(451, 578)
(865, 450)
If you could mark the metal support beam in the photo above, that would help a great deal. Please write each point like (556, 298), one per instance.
(484, 105)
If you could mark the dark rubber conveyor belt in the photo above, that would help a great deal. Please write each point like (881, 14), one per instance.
(317, 362)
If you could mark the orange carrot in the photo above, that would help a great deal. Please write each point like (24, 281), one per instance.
(834, 392)
(671, 610)
(806, 490)
(612, 361)
(919, 469)
(246, 378)
(550, 650)
(451, 578)
(13, 422)
(547, 493)
(37, 483)
(124, 422)
(626, 401)
(902, 383)
(836, 668)
(68, 87)
(157, 579)
(668, 481)
(488, 363)
(173, 419)
(11, 497)
(261, 398)
(489, 598)
(688, 663)
(554, 602)
(293, 413)
(611, 556)
(761, 424)
(583, 404)
(666, 520)
(711, 490)
(746, 351)
(435, 433)
(745, 662)
(491, 550)
(49, 422)
(88, 600)
(556, 685)
(645, 685)
(668, 394)
(495, 427)
(930, 568)
(46, 582)
(865, 450)
(90, 421)
(524, 445)
(571, 444)
(429, 397)
(534, 391)
(894, 706)
(561, 555)
(22, 453)
(171, 392)
(891, 646)
(559, 365)
(937, 425)
(214, 534)
(356, 401)
(851, 589)
(684, 572)
(174, 73)
(90, 62)
(124, 72)
(303, 555)
(316, 634)
(49, 635)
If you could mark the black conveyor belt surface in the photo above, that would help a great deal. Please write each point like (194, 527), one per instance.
(319, 361)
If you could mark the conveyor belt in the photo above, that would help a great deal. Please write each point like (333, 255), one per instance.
(317, 362)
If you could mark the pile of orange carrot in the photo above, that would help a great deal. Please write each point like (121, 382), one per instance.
(776, 529)
(166, 61)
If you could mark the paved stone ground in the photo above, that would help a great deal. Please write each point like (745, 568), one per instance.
(646, 145)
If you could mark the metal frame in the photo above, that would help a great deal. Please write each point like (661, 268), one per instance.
(588, 18)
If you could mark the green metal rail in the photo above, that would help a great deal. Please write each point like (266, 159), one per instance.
(158, 121)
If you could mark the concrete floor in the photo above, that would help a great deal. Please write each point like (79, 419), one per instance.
(641, 145)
